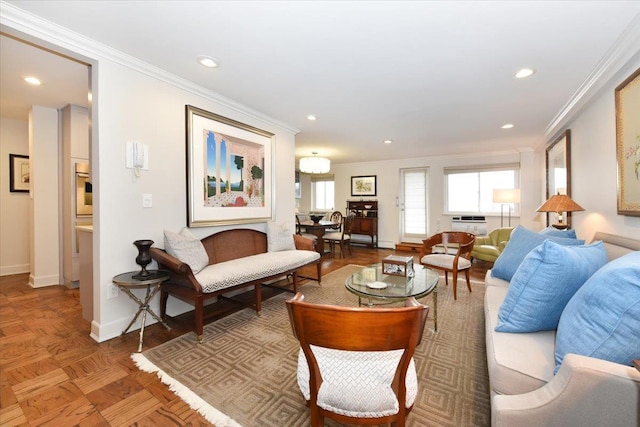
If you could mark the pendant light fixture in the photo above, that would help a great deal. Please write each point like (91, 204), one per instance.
(315, 164)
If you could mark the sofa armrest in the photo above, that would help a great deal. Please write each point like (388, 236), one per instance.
(304, 243)
(169, 262)
(585, 391)
(483, 240)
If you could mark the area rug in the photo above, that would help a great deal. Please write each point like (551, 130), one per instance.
(244, 373)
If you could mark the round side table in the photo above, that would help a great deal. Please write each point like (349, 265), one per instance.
(126, 282)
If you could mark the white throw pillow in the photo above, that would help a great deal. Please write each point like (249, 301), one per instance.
(279, 237)
(187, 248)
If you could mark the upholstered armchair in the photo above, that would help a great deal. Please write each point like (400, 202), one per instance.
(489, 248)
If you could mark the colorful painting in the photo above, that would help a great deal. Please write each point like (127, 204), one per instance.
(229, 171)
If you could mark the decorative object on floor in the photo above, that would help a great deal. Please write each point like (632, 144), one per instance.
(628, 145)
(460, 260)
(259, 356)
(143, 259)
(506, 197)
(560, 203)
(229, 171)
(315, 164)
(364, 185)
(398, 265)
(336, 376)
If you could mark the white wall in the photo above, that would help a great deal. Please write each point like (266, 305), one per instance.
(388, 185)
(135, 106)
(14, 207)
(44, 213)
(594, 164)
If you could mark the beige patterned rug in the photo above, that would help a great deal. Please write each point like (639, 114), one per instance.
(245, 371)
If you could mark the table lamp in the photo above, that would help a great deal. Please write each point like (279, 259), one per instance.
(560, 203)
(506, 197)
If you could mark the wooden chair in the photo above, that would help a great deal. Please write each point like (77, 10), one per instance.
(342, 238)
(355, 364)
(300, 233)
(457, 247)
(336, 217)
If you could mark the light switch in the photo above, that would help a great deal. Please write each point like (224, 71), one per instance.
(147, 201)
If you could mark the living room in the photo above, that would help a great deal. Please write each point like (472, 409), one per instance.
(134, 101)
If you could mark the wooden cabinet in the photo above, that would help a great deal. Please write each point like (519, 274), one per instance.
(365, 225)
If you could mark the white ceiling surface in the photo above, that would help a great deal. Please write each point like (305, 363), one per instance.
(434, 77)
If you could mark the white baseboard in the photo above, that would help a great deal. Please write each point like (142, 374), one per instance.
(8, 270)
(43, 281)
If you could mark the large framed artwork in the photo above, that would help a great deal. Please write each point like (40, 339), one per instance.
(558, 165)
(229, 171)
(628, 145)
(19, 174)
(363, 185)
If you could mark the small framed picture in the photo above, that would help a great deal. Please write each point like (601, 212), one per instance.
(19, 173)
(363, 185)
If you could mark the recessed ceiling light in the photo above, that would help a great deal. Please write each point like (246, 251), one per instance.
(33, 80)
(388, 141)
(507, 126)
(312, 117)
(525, 72)
(208, 61)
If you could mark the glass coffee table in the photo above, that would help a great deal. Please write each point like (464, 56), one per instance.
(378, 288)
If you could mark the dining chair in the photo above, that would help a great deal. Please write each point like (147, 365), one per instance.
(342, 238)
(457, 247)
(355, 364)
(335, 217)
(301, 233)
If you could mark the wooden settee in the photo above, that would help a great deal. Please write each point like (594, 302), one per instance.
(238, 258)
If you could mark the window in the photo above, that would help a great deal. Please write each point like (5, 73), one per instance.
(470, 190)
(323, 194)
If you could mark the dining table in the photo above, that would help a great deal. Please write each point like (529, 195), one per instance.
(318, 229)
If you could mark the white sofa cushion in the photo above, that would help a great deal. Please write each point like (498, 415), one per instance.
(187, 248)
(341, 370)
(238, 271)
(517, 363)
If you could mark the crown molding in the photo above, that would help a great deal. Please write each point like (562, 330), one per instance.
(33, 29)
(623, 49)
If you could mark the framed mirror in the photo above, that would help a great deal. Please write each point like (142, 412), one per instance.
(558, 167)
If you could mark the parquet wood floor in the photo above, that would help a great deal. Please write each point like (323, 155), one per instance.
(53, 373)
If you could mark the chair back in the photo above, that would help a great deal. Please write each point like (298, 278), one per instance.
(461, 241)
(348, 224)
(336, 217)
(357, 329)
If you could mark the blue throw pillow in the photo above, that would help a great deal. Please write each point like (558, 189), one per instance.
(522, 241)
(602, 320)
(552, 231)
(544, 283)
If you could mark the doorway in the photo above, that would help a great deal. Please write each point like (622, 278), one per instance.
(413, 204)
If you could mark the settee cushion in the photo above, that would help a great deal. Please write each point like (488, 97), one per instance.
(545, 282)
(242, 270)
(279, 237)
(552, 231)
(602, 318)
(522, 241)
(187, 248)
(517, 363)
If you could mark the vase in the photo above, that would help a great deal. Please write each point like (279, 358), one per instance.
(144, 258)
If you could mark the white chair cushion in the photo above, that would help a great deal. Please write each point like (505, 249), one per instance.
(445, 261)
(335, 235)
(357, 383)
(235, 272)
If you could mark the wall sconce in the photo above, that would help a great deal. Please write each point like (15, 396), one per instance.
(560, 203)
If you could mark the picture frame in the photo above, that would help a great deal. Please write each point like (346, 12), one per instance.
(298, 186)
(19, 173)
(627, 100)
(364, 185)
(229, 170)
(558, 169)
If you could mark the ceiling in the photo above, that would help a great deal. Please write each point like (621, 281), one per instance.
(434, 77)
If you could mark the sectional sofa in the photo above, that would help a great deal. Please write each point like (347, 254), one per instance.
(584, 390)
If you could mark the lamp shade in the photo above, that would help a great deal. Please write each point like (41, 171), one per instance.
(559, 203)
(315, 165)
(506, 195)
